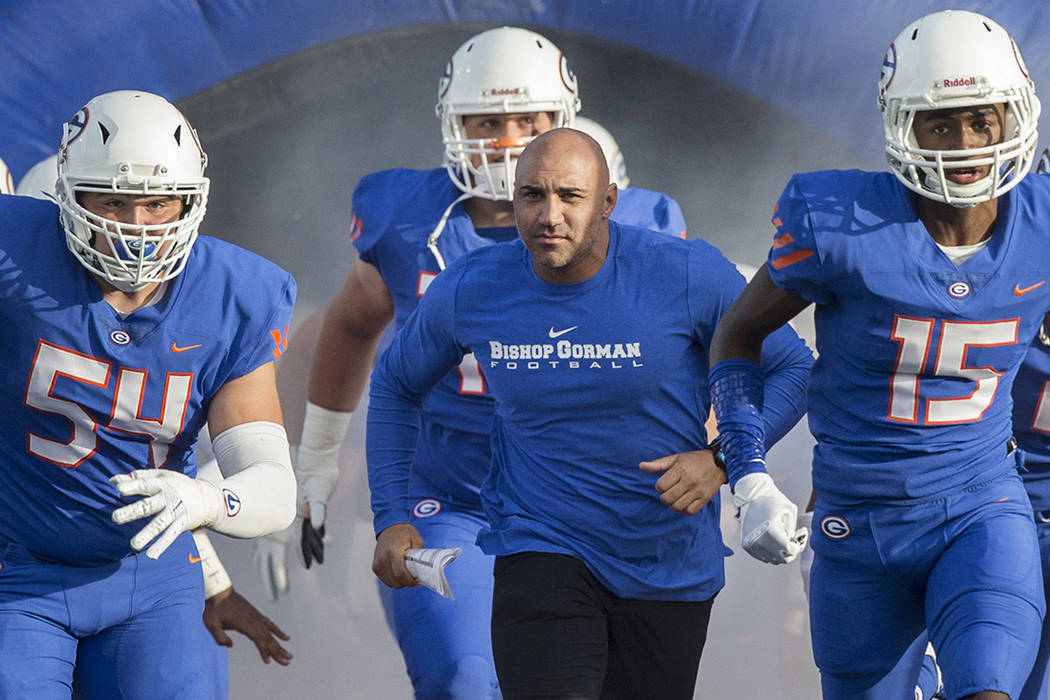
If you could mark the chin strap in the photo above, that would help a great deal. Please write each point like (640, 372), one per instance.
(433, 238)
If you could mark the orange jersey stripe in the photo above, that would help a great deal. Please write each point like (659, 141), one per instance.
(790, 259)
(783, 240)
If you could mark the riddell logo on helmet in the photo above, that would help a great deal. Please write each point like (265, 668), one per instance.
(504, 92)
(959, 82)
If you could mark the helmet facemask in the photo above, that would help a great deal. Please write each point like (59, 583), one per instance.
(131, 256)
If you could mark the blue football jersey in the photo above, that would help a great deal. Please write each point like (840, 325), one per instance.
(394, 213)
(910, 395)
(1031, 394)
(589, 380)
(87, 393)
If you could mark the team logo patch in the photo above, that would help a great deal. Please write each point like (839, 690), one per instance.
(835, 527)
(120, 337)
(446, 80)
(568, 78)
(889, 69)
(75, 126)
(1020, 61)
(959, 289)
(233, 504)
(426, 508)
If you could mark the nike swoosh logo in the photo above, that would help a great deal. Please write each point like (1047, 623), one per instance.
(554, 334)
(1018, 290)
(176, 348)
(194, 560)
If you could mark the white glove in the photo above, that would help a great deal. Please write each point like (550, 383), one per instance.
(805, 561)
(269, 554)
(179, 503)
(767, 520)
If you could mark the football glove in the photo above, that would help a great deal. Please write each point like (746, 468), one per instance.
(767, 520)
(805, 560)
(269, 554)
(177, 502)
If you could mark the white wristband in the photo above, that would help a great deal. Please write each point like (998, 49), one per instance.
(324, 429)
(216, 580)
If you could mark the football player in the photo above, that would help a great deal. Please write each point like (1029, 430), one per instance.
(129, 333)
(929, 284)
(224, 608)
(501, 88)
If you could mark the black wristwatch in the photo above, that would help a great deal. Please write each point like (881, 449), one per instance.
(716, 448)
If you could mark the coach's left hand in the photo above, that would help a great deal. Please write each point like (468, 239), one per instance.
(689, 479)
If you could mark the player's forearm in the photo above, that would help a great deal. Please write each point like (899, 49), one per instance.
(737, 389)
(259, 497)
(787, 362)
(393, 429)
(342, 362)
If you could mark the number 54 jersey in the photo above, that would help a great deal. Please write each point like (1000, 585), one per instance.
(910, 395)
(86, 393)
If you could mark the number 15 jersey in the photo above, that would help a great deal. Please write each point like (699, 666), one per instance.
(910, 395)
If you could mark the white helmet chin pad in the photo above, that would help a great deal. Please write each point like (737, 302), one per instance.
(500, 71)
(130, 142)
(955, 59)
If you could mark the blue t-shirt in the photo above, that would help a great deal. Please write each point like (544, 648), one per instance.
(589, 380)
(394, 213)
(910, 394)
(86, 394)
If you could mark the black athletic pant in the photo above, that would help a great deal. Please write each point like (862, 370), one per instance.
(557, 633)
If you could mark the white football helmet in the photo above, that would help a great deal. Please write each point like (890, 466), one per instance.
(501, 71)
(135, 143)
(947, 60)
(7, 185)
(613, 155)
(39, 182)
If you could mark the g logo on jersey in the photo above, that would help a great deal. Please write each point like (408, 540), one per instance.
(426, 508)
(233, 504)
(835, 527)
(120, 337)
(959, 289)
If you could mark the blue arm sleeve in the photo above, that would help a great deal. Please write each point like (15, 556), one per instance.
(422, 352)
(737, 396)
(786, 361)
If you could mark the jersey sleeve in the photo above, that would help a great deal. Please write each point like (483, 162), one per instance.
(650, 210)
(715, 284)
(263, 337)
(422, 352)
(795, 258)
(373, 206)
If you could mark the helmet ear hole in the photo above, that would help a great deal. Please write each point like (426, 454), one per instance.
(948, 60)
(146, 148)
